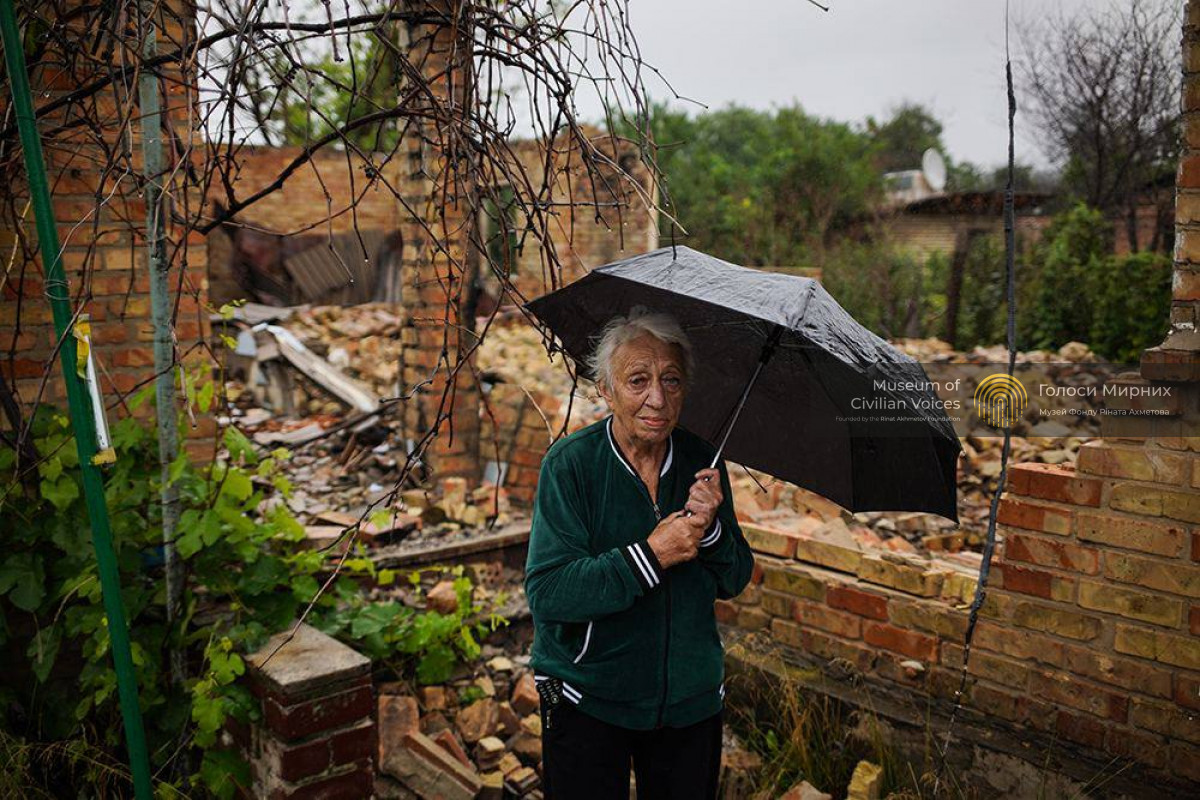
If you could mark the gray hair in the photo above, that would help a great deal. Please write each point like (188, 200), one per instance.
(621, 330)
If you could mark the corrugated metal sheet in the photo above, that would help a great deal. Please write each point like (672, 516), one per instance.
(336, 272)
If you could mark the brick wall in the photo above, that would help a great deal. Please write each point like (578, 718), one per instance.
(315, 201)
(1091, 627)
(104, 256)
(1176, 357)
(609, 219)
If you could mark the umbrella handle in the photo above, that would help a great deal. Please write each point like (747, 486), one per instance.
(767, 351)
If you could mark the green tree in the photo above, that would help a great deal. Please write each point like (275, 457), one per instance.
(762, 187)
(905, 136)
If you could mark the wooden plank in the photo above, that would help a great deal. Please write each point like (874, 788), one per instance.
(322, 373)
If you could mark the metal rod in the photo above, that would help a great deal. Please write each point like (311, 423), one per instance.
(767, 351)
(164, 341)
(82, 421)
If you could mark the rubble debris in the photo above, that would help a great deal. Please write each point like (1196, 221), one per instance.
(442, 598)
(488, 752)
(522, 781)
(397, 717)
(805, 791)
(478, 720)
(525, 698)
(739, 772)
(428, 770)
(273, 342)
(450, 743)
(866, 782)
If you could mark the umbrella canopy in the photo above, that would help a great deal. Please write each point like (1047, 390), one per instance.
(834, 409)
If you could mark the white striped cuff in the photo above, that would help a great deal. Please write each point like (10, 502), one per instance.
(712, 536)
(644, 564)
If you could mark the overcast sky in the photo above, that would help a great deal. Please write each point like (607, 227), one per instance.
(860, 58)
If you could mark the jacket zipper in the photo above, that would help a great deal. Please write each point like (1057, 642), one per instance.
(667, 634)
(666, 588)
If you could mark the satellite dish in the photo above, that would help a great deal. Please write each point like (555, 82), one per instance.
(934, 167)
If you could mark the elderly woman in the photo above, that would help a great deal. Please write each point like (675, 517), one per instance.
(633, 539)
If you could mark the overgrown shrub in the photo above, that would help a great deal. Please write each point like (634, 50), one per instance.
(246, 579)
(891, 291)
(1117, 304)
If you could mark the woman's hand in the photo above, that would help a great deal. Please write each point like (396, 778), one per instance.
(676, 539)
(704, 497)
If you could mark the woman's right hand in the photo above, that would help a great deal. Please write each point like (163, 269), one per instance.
(676, 539)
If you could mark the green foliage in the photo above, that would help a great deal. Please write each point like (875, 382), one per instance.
(762, 187)
(1118, 304)
(246, 579)
(890, 291)
(1070, 252)
(1132, 299)
(905, 136)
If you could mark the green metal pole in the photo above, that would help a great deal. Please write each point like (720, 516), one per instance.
(81, 416)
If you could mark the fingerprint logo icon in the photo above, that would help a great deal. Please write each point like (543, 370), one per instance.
(1000, 400)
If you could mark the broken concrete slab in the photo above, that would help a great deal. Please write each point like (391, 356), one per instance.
(297, 665)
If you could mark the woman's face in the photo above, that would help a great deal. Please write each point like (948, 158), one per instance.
(647, 388)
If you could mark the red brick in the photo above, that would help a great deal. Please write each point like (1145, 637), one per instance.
(1036, 582)
(1054, 482)
(1118, 530)
(356, 744)
(756, 574)
(1067, 690)
(859, 602)
(304, 760)
(726, 612)
(133, 357)
(1034, 516)
(1123, 673)
(815, 615)
(304, 719)
(823, 645)
(752, 619)
(1082, 729)
(1131, 461)
(1187, 691)
(352, 785)
(1051, 553)
(765, 539)
(1194, 620)
(1144, 747)
(1006, 705)
(909, 643)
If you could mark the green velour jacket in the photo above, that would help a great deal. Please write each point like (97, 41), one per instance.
(635, 645)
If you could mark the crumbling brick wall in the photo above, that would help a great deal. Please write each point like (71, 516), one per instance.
(592, 220)
(1090, 627)
(333, 193)
(104, 254)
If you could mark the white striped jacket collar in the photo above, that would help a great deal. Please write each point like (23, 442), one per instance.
(608, 427)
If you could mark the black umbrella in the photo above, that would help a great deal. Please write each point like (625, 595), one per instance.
(827, 404)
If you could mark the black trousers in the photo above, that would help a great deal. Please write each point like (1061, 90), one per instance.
(583, 757)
